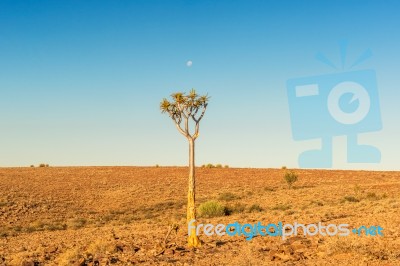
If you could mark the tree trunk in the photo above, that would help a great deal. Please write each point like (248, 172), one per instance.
(193, 240)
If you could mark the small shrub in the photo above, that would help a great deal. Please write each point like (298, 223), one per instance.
(18, 228)
(210, 165)
(290, 178)
(281, 207)
(37, 226)
(218, 165)
(255, 208)
(77, 223)
(227, 196)
(351, 199)
(157, 166)
(212, 209)
(43, 165)
(237, 208)
(56, 227)
(372, 196)
(284, 167)
(290, 212)
(226, 166)
(318, 203)
(29, 229)
(32, 165)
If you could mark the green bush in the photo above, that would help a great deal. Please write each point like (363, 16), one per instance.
(290, 178)
(212, 209)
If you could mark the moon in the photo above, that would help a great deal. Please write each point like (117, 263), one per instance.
(189, 63)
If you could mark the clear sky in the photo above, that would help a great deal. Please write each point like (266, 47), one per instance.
(81, 81)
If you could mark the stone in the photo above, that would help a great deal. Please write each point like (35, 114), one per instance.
(282, 256)
(28, 263)
(81, 262)
(169, 252)
(51, 249)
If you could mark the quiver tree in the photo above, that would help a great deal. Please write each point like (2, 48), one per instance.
(187, 111)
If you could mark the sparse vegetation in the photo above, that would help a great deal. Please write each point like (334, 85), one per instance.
(132, 208)
(317, 203)
(210, 165)
(290, 178)
(351, 199)
(374, 196)
(77, 223)
(255, 208)
(281, 207)
(227, 196)
(212, 209)
(237, 208)
(269, 189)
(43, 165)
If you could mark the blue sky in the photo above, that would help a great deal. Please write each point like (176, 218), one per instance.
(81, 81)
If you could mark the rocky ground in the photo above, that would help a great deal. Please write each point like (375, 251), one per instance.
(136, 215)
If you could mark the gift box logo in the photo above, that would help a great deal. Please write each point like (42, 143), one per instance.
(325, 106)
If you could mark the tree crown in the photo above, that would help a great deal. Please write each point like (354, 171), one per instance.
(184, 107)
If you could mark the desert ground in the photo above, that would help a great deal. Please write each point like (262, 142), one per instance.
(122, 216)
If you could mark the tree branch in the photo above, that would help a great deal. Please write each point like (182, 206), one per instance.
(195, 113)
(196, 131)
(187, 125)
(181, 130)
(183, 108)
(201, 116)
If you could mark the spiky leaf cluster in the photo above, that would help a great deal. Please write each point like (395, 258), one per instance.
(183, 107)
